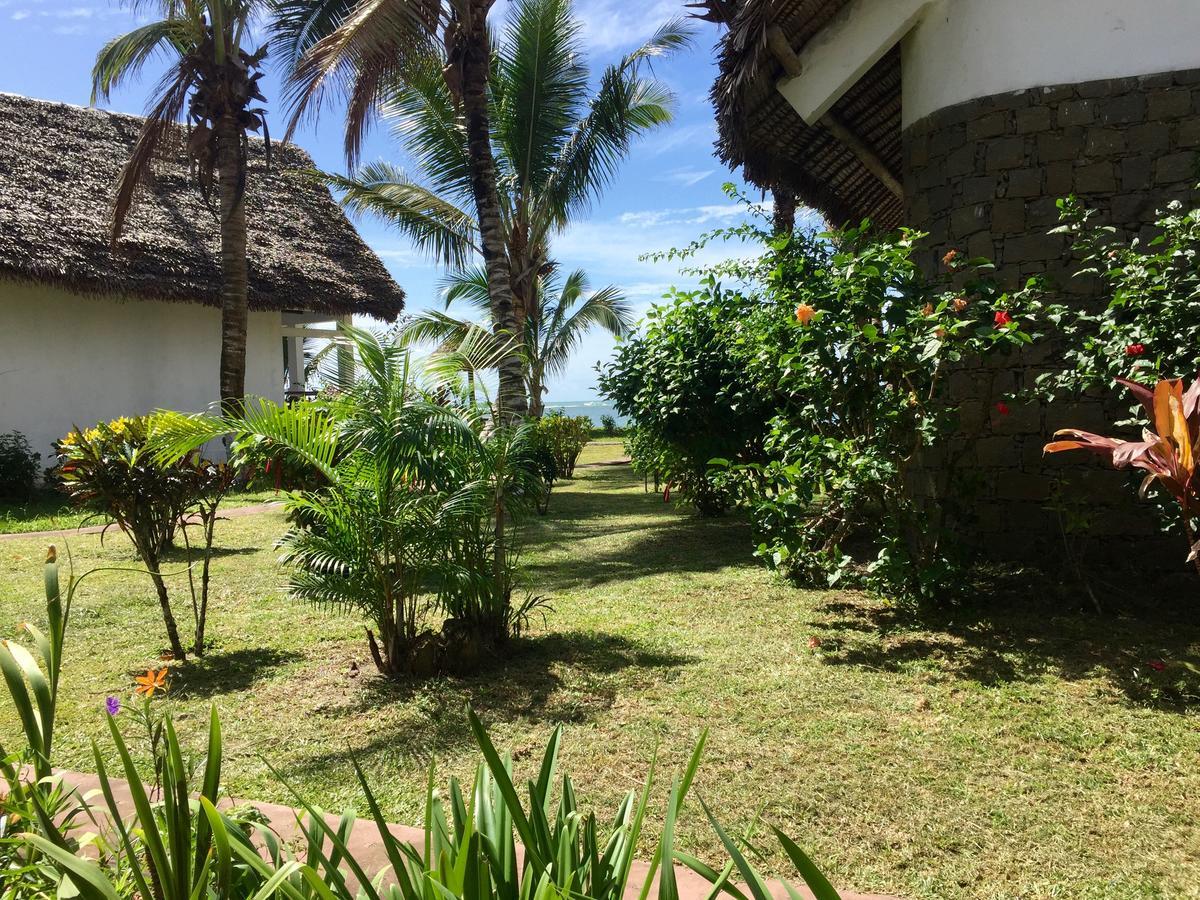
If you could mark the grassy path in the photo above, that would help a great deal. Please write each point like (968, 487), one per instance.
(994, 754)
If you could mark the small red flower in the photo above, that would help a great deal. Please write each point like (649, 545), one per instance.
(1002, 318)
(1135, 349)
(1002, 408)
(1157, 665)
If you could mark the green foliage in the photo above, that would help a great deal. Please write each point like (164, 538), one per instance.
(1145, 328)
(18, 467)
(815, 394)
(608, 426)
(115, 471)
(562, 438)
(682, 383)
(412, 513)
(1140, 332)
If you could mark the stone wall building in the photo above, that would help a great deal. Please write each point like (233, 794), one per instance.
(969, 119)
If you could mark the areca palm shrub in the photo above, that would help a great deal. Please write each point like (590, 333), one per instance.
(213, 82)
(557, 142)
(411, 520)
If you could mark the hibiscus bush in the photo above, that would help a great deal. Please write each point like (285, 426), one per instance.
(1144, 327)
(809, 384)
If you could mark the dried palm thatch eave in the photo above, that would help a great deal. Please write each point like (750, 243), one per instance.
(759, 131)
(58, 169)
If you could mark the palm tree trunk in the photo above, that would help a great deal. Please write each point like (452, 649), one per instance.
(476, 54)
(234, 269)
(784, 210)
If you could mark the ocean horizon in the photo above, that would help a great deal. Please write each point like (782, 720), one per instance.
(593, 409)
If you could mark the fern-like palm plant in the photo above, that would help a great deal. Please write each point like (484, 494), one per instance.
(411, 519)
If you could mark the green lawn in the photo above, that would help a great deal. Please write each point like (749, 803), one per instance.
(53, 511)
(999, 752)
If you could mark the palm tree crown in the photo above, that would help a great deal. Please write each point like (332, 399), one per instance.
(557, 143)
(217, 80)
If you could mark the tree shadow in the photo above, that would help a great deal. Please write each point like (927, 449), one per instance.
(1149, 654)
(218, 673)
(632, 534)
(558, 678)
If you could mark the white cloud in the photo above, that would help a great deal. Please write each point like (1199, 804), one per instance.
(618, 24)
(21, 14)
(685, 176)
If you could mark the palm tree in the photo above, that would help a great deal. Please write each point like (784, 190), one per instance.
(556, 142)
(410, 516)
(565, 312)
(217, 79)
(363, 47)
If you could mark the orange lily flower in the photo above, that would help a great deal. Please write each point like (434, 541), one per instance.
(804, 313)
(153, 680)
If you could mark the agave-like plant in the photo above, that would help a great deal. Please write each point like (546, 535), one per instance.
(1167, 454)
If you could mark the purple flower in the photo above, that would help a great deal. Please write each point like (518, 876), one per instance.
(113, 705)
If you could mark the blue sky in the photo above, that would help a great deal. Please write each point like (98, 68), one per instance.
(669, 191)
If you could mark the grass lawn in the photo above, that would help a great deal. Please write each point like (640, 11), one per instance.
(993, 753)
(53, 511)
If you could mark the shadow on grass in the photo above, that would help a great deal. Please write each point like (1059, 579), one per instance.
(629, 534)
(218, 673)
(1150, 656)
(560, 678)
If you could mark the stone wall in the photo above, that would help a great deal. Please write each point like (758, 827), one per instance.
(984, 177)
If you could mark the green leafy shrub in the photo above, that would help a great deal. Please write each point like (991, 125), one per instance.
(115, 471)
(563, 438)
(180, 842)
(1140, 331)
(411, 519)
(682, 384)
(608, 426)
(815, 394)
(19, 466)
(1144, 328)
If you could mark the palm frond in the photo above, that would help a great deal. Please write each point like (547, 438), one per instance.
(122, 58)
(364, 52)
(161, 124)
(540, 84)
(424, 116)
(606, 308)
(437, 227)
(468, 286)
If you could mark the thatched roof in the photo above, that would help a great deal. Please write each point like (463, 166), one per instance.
(761, 133)
(58, 171)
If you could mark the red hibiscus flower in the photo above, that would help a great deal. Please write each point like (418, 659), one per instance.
(1135, 349)
(1157, 665)
(1002, 318)
(1002, 408)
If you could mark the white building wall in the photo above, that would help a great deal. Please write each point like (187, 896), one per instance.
(67, 360)
(966, 49)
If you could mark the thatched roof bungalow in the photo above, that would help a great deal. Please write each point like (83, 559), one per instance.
(88, 332)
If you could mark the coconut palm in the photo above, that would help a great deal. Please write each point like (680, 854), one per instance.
(566, 310)
(557, 144)
(216, 78)
(363, 47)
